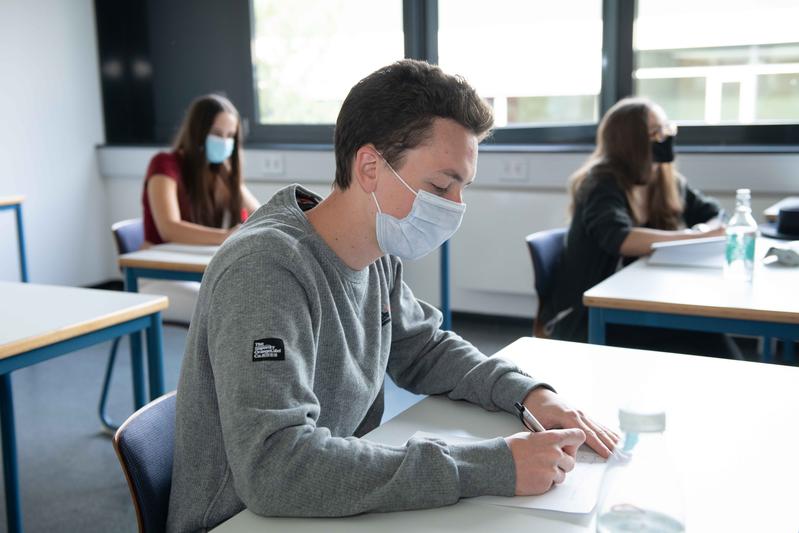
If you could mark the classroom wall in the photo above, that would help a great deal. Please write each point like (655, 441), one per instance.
(51, 123)
(514, 194)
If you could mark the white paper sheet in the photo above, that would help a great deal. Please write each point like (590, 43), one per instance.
(195, 249)
(577, 494)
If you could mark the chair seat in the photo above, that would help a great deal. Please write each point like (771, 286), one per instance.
(546, 248)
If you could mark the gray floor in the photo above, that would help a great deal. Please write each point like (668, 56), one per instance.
(69, 476)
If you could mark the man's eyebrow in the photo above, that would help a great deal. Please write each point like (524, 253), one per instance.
(454, 175)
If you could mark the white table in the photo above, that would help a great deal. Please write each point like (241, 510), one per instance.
(699, 298)
(182, 262)
(168, 261)
(731, 428)
(40, 322)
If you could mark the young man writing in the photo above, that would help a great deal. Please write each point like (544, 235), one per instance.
(303, 312)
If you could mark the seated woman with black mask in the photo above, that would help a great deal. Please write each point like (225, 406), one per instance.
(625, 197)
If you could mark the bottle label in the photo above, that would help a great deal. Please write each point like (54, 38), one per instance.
(740, 247)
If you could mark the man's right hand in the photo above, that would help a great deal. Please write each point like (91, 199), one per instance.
(543, 459)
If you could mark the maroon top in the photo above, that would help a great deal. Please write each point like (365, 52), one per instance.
(167, 164)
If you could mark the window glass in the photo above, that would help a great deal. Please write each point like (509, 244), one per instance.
(719, 61)
(536, 63)
(307, 54)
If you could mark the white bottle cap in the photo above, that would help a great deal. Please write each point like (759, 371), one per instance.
(641, 421)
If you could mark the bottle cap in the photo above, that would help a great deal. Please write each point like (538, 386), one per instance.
(642, 421)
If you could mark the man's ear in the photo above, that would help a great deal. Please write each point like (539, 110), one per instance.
(364, 169)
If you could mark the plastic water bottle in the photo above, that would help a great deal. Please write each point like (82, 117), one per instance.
(641, 490)
(741, 236)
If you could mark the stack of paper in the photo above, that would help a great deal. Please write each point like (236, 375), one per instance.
(707, 252)
(773, 211)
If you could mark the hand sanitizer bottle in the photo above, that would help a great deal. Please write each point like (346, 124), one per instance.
(641, 490)
(741, 236)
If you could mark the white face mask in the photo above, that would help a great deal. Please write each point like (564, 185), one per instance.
(431, 221)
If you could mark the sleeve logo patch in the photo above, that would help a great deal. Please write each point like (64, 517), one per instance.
(268, 350)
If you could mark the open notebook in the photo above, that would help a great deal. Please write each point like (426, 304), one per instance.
(579, 493)
(706, 252)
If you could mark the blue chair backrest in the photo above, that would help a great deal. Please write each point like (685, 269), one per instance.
(546, 248)
(144, 446)
(128, 235)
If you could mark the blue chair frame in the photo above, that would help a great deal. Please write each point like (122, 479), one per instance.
(128, 237)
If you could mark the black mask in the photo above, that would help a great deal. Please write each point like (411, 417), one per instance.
(663, 152)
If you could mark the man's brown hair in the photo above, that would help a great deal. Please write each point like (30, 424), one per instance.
(394, 109)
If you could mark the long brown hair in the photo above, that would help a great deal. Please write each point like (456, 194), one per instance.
(623, 149)
(200, 176)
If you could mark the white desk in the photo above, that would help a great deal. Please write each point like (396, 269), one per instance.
(699, 299)
(164, 261)
(40, 322)
(735, 479)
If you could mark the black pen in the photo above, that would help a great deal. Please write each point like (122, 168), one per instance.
(528, 419)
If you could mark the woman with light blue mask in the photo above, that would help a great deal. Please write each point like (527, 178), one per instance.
(194, 194)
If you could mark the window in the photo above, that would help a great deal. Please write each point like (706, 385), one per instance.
(726, 70)
(506, 50)
(307, 54)
(719, 62)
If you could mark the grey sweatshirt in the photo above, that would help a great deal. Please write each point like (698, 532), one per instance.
(283, 372)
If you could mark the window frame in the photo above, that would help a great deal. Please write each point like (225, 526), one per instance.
(420, 26)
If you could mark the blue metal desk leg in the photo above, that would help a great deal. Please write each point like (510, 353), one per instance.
(23, 262)
(137, 368)
(136, 354)
(788, 351)
(155, 356)
(444, 280)
(768, 355)
(596, 325)
(10, 474)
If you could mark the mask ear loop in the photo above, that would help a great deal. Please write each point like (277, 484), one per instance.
(397, 175)
(374, 197)
(376, 203)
